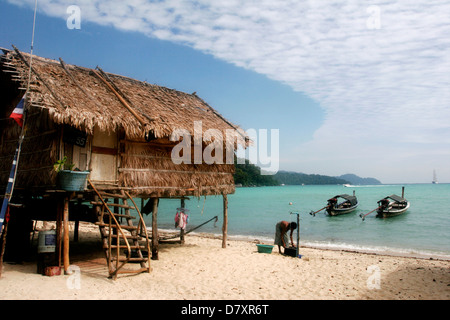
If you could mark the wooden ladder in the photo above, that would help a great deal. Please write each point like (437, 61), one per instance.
(121, 240)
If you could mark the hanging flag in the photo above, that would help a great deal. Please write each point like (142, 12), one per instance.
(17, 113)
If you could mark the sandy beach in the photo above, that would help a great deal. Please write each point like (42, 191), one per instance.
(202, 270)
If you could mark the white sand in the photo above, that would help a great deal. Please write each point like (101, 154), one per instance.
(201, 269)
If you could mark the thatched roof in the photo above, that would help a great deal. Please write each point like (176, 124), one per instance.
(78, 96)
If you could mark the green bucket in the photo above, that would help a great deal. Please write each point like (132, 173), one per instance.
(72, 180)
(264, 248)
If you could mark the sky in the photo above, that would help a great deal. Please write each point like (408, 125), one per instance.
(357, 87)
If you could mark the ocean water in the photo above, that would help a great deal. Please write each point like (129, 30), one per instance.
(423, 230)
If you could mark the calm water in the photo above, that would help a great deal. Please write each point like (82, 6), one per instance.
(424, 230)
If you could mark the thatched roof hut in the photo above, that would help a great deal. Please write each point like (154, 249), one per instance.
(133, 138)
(126, 125)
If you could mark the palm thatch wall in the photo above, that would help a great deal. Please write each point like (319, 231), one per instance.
(89, 100)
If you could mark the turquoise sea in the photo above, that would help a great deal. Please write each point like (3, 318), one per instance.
(424, 230)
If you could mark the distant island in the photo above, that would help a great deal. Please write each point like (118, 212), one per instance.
(248, 174)
(355, 180)
(297, 178)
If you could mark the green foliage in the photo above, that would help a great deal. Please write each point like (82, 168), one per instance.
(61, 165)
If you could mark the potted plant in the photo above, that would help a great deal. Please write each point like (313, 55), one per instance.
(69, 179)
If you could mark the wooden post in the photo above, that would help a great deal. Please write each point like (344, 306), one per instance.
(66, 235)
(76, 230)
(225, 221)
(155, 241)
(59, 219)
(182, 230)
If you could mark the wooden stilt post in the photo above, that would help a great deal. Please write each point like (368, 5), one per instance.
(66, 235)
(77, 221)
(59, 219)
(155, 241)
(225, 221)
(182, 230)
(76, 230)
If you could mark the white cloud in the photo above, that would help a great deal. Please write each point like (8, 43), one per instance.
(375, 85)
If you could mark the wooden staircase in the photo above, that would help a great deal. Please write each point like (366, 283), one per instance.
(120, 237)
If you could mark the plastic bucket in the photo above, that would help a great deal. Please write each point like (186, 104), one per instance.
(47, 241)
(72, 180)
(264, 248)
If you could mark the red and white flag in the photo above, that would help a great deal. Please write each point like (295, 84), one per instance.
(17, 113)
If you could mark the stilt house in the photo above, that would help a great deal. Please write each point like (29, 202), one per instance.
(135, 140)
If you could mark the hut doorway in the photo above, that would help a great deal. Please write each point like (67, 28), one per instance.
(104, 157)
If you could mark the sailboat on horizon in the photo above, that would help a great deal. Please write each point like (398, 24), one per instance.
(434, 178)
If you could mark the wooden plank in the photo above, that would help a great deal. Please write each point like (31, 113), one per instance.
(111, 195)
(104, 150)
(99, 203)
(116, 226)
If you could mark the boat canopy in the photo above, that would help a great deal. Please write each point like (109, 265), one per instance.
(351, 199)
(396, 198)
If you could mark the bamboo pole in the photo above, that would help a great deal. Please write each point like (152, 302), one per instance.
(225, 221)
(122, 100)
(39, 78)
(155, 241)
(118, 91)
(63, 65)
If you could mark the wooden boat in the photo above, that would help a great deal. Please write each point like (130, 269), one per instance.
(392, 206)
(334, 207)
(341, 204)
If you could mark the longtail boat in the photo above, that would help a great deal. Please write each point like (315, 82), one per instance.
(340, 204)
(390, 206)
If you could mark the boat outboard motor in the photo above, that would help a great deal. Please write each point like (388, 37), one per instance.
(384, 204)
